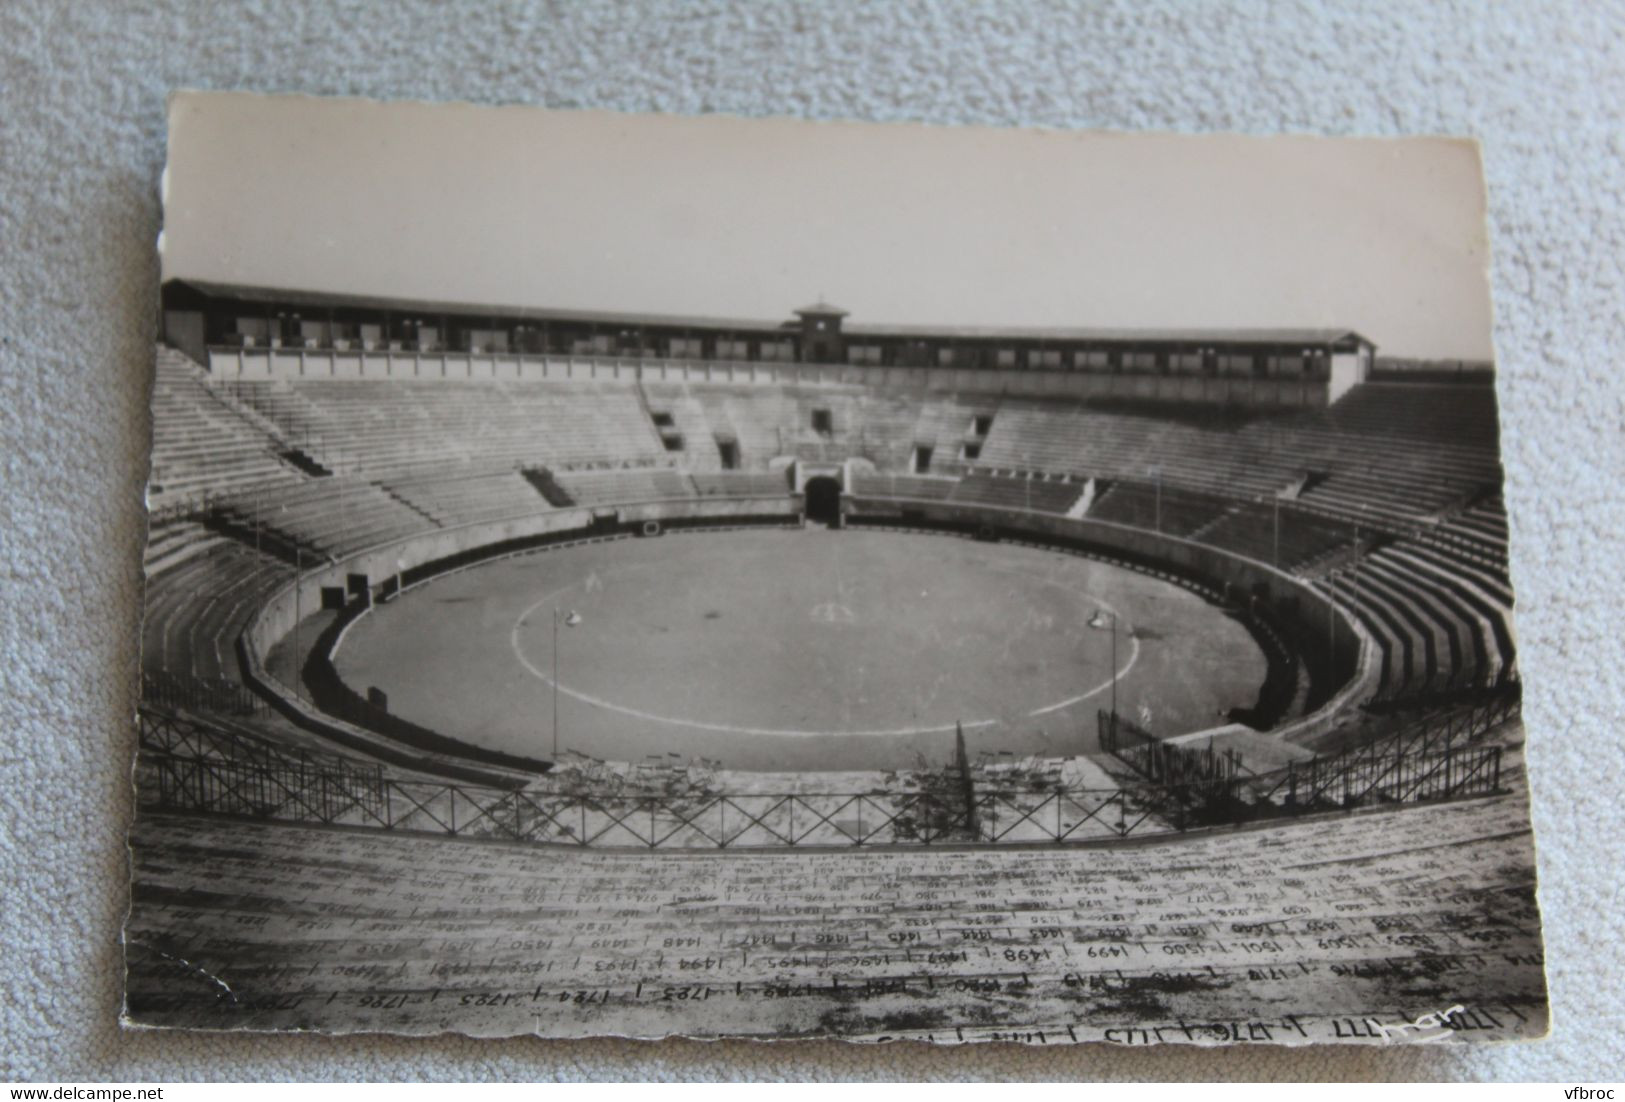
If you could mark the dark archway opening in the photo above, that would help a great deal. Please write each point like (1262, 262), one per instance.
(824, 500)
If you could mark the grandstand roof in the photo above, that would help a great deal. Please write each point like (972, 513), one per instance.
(177, 291)
(275, 296)
(1118, 335)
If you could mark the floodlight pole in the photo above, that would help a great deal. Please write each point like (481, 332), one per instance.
(1159, 524)
(298, 583)
(1275, 546)
(555, 683)
(1356, 562)
(1114, 669)
(1331, 623)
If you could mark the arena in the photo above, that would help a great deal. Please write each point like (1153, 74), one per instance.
(798, 650)
(605, 619)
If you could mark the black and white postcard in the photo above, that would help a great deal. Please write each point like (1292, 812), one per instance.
(656, 576)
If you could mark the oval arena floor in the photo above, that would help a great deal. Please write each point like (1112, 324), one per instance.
(787, 649)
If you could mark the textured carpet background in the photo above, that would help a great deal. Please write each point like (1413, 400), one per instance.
(82, 89)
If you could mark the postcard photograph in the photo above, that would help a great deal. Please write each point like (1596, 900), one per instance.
(657, 576)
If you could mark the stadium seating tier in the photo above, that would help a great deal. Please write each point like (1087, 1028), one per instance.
(1389, 498)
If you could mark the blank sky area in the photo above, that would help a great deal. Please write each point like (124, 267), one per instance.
(907, 224)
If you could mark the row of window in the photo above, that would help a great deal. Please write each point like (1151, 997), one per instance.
(691, 348)
(320, 333)
(1178, 363)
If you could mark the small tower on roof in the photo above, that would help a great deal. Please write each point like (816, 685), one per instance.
(821, 339)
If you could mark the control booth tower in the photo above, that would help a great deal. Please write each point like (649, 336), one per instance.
(821, 339)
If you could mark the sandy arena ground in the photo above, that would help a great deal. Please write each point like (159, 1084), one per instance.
(799, 650)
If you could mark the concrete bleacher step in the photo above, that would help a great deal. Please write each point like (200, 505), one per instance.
(202, 443)
(1020, 493)
(1466, 649)
(1086, 499)
(1485, 579)
(1385, 625)
(194, 608)
(167, 552)
(1494, 615)
(431, 518)
(1203, 529)
(455, 497)
(302, 917)
(1433, 647)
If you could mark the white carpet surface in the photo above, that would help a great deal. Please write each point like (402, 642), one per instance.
(82, 88)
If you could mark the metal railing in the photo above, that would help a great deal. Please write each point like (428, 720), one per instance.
(171, 689)
(1353, 780)
(1426, 757)
(1162, 762)
(1429, 758)
(191, 766)
(188, 766)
